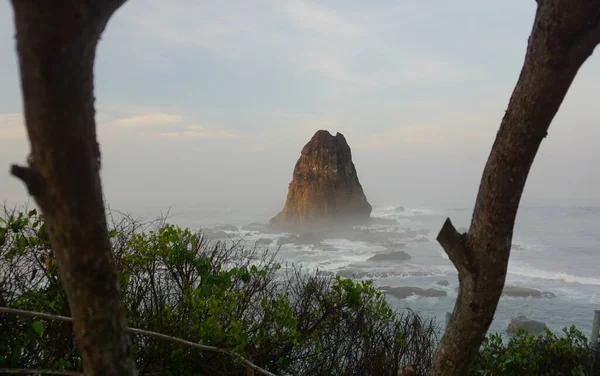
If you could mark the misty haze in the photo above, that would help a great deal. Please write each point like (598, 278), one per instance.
(210, 112)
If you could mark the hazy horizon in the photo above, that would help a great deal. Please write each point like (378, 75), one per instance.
(208, 104)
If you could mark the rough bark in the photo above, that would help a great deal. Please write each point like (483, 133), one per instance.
(564, 35)
(56, 44)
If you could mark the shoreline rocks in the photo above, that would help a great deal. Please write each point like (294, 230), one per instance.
(215, 234)
(264, 242)
(525, 292)
(395, 256)
(404, 292)
(522, 322)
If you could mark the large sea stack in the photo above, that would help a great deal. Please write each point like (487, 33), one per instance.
(325, 190)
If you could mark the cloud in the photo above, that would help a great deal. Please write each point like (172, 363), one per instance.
(12, 127)
(201, 132)
(311, 17)
(149, 120)
(454, 123)
(147, 124)
(225, 29)
(350, 49)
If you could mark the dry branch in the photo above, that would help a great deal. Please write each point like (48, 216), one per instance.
(33, 371)
(47, 316)
(564, 34)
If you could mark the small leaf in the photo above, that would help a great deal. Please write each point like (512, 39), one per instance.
(318, 347)
(38, 326)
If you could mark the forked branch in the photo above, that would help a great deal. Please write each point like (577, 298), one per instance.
(453, 244)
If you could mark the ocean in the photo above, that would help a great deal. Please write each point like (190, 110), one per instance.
(555, 250)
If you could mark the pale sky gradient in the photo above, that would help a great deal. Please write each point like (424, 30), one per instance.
(212, 101)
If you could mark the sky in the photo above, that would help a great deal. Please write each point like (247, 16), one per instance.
(210, 102)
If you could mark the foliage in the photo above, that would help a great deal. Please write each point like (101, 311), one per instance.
(177, 282)
(525, 354)
(290, 321)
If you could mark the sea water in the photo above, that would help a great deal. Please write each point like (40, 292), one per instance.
(555, 249)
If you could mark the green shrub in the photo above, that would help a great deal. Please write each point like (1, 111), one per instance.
(285, 319)
(178, 282)
(525, 354)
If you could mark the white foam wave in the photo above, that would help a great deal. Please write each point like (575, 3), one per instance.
(525, 247)
(398, 212)
(333, 255)
(531, 272)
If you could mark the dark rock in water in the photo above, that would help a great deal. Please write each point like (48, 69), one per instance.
(284, 240)
(399, 209)
(309, 238)
(325, 190)
(522, 322)
(392, 245)
(443, 283)
(225, 228)
(390, 257)
(256, 227)
(264, 241)
(524, 292)
(215, 234)
(325, 273)
(405, 291)
(348, 273)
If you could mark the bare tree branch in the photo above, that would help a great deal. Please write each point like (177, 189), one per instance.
(30, 178)
(33, 371)
(453, 244)
(564, 34)
(56, 45)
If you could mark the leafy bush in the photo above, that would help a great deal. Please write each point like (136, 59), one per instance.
(285, 319)
(525, 354)
(178, 282)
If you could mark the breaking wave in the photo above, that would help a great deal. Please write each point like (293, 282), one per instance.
(531, 272)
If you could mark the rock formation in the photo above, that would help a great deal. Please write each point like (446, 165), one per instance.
(522, 322)
(525, 292)
(325, 189)
(404, 292)
(391, 257)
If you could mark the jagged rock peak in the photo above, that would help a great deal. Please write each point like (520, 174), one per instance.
(325, 189)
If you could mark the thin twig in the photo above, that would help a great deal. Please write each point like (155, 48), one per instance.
(24, 371)
(147, 333)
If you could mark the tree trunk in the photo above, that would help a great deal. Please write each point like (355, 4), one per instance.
(56, 44)
(564, 35)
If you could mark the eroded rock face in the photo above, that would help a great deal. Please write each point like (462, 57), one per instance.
(325, 189)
